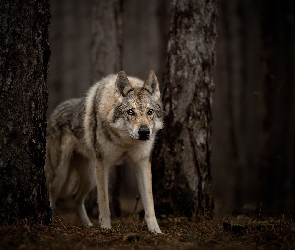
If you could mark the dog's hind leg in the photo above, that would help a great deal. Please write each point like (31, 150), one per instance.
(86, 183)
(61, 172)
(79, 200)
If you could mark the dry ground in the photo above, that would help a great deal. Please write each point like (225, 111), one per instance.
(234, 232)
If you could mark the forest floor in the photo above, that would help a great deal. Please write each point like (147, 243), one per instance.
(230, 232)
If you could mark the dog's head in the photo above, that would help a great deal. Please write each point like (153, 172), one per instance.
(138, 108)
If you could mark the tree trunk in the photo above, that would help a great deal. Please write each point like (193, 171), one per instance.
(23, 101)
(106, 59)
(181, 163)
(145, 32)
(70, 43)
(106, 38)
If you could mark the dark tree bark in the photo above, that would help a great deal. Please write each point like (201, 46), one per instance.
(24, 61)
(181, 164)
(106, 38)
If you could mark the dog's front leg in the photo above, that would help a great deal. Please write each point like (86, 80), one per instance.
(144, 179)
(102, 177)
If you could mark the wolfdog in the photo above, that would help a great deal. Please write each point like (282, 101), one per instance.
(117, 120)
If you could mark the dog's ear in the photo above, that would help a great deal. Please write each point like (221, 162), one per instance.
(122, 84)
(151, 84)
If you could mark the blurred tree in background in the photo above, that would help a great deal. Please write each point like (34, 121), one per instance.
(107, 37)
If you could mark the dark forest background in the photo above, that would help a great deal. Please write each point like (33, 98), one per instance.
(253, 141)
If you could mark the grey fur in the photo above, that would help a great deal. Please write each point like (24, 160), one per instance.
(87, 136)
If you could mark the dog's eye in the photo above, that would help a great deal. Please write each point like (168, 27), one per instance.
(150, 112)
(130, 112)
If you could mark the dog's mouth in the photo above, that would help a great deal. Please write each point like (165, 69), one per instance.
(144, 138)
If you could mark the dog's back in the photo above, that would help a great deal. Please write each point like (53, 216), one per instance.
(118, 119)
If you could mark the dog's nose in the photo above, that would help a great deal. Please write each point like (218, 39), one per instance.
(144, 132)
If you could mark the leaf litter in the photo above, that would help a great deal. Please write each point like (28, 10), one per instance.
(230, 232)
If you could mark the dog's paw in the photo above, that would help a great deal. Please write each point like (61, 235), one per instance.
(153, 226)
(84, 218)
(105, 223)
(156, 230)
(87, 224)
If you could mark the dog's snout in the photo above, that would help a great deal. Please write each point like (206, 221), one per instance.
(144, 132)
